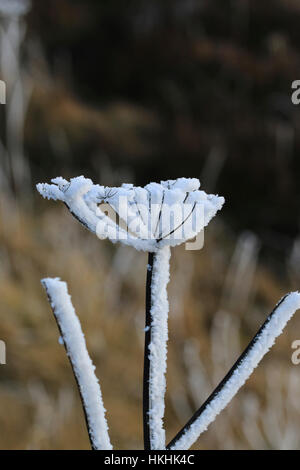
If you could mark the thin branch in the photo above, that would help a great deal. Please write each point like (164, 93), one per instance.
(155, 359)
(159, 215)
(82, 366)
(146, 400)
(238, 374)
(162, 237)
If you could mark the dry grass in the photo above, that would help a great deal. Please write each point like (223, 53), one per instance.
(40, 407)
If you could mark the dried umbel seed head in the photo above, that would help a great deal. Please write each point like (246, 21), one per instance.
(147, 218)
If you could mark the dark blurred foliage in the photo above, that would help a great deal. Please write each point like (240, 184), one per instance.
(193, 88)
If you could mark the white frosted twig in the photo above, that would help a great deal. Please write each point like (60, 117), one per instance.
(239, 373)
(83, 368)
(156, 351)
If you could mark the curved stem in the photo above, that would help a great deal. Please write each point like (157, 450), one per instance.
(155, 356)
(238, 374)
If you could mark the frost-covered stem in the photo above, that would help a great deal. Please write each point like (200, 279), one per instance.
(239, 373)
(155, 359)
(146, 390)
(82, 366)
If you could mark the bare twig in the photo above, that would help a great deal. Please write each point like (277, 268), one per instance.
(155, 359)
(146, 400)
(238, 374)
(82, 366)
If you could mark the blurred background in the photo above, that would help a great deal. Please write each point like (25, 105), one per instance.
(134, 92)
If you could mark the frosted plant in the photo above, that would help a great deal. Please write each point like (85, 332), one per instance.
(154, 219)
(239, 373)
(73, 340)
(149, 218)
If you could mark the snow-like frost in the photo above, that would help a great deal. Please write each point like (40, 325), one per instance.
(158, 215)
(158, 347)
(73, 339)
(263, 341)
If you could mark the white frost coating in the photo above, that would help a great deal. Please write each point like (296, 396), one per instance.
(158, 347)
(73, 339)
(158, 215)
(273, 328)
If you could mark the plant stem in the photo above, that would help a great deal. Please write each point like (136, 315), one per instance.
(238, 374)
(82, 366)
(155, 357)
(146, 390)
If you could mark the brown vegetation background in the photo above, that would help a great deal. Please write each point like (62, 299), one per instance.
(133, 92)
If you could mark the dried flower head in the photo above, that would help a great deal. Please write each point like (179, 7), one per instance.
(148, 218)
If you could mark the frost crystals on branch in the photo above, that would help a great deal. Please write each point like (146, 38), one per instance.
(83, 368)
(165, 214)
(152, 219)
(239, 373)
(157, 217)
(156, 329)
